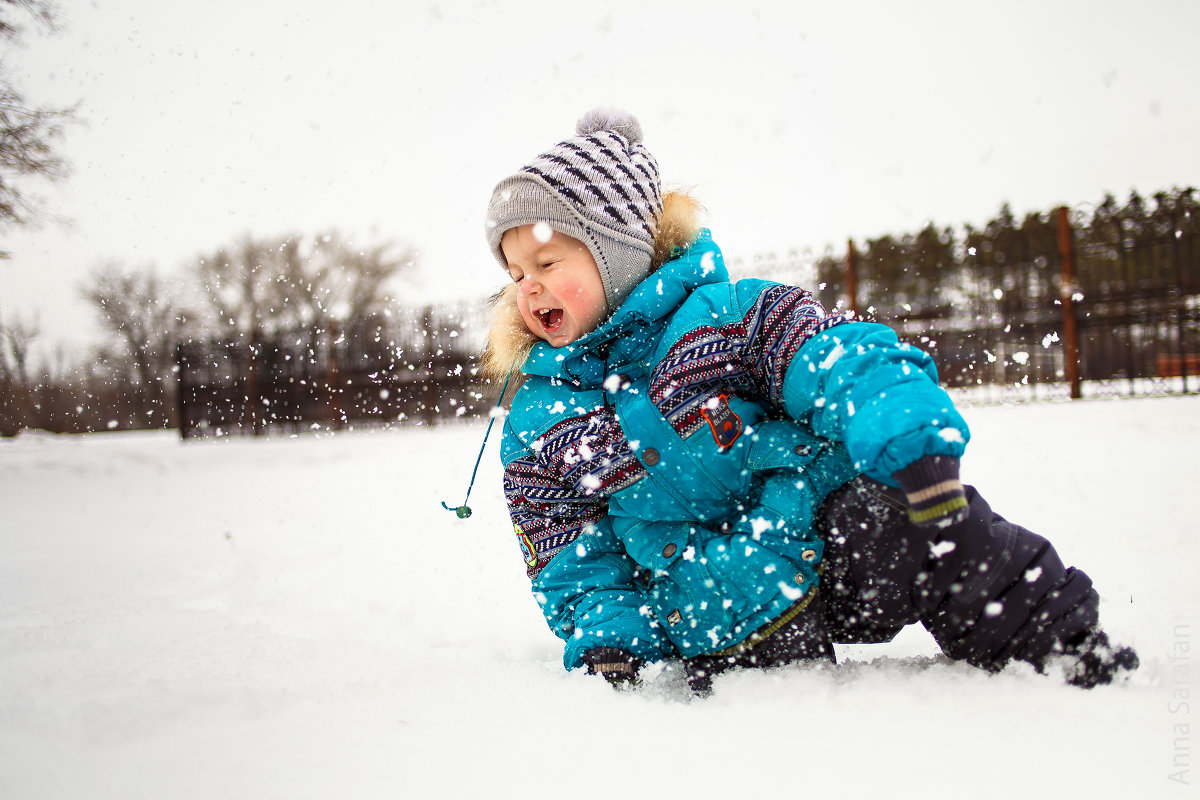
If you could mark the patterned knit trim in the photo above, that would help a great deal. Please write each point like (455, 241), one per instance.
(555, 495)
(754, 351)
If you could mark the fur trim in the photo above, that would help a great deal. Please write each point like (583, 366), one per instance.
(678, 227)
(509, 341)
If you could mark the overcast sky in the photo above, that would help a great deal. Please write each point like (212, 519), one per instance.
(799, 124)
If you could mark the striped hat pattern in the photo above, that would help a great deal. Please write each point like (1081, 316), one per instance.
(601, 187)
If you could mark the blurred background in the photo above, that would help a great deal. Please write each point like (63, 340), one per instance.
(237, 218)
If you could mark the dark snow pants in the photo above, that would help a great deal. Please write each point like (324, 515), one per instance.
(987, 590)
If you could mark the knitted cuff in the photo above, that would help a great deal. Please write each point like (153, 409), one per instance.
(936, 497)
(616, 665)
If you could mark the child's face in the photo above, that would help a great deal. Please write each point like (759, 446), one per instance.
(560, 294)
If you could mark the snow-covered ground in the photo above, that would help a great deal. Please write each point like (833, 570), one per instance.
(299, 618)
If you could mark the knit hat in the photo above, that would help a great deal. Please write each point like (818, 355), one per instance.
(601, 187)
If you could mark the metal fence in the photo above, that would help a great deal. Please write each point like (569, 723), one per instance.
(1109, 317)
(409, 366)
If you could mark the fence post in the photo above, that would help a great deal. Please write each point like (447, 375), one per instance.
(1066, 249)
(1181, 308)
(429, 394)
(852, 276)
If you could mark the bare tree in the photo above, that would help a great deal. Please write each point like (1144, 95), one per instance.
(28, 133)
(264, 285)
(16, 338)
(138, 308)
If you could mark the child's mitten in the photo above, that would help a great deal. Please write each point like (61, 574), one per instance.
(618, 667)
(1092, 660)
(936, 498)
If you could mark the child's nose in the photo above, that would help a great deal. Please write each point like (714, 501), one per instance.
(528, 285)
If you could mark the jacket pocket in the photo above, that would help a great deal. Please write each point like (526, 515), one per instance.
(696, 607)
(784, 444)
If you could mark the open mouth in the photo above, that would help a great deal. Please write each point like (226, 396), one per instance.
(551, 319)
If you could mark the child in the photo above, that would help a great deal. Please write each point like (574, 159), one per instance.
(722, 472)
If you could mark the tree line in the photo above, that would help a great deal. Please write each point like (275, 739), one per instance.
(1140, 248)
(313, 291)
(248, 291)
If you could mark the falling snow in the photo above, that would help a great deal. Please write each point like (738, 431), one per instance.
(940, 549)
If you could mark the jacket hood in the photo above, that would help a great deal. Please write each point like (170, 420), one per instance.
(627, 338)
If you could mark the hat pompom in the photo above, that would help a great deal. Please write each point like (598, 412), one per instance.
(610, 119)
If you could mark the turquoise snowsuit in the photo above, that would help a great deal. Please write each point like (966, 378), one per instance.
(663, 472)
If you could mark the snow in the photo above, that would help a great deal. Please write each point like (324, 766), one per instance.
(951, 435)
(300, 618)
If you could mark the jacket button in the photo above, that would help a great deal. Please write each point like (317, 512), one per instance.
(802, 450)
(650, 456)
(809, 555)
(669, 550)
(725, 527)
(800, 578)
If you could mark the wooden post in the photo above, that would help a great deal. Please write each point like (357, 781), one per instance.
(1066, 250)
(429, 386)
(332, 377)
(852, 276)
(181, 386)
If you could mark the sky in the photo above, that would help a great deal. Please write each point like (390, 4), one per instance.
(799, 125)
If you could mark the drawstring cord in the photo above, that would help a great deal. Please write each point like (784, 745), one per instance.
(464, 510)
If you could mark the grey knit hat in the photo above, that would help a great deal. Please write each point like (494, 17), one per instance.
(600, 187)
